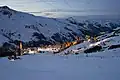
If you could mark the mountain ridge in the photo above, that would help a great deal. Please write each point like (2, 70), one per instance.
(26, 27)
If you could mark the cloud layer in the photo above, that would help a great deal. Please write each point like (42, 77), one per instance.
(64, 7)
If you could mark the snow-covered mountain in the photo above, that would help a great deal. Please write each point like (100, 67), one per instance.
(15, 25)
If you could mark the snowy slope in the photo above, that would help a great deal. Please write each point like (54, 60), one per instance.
(105, 41)
(23, 25)
(15, 25)
(98, 66)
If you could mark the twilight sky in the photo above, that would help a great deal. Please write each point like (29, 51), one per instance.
(61, 8)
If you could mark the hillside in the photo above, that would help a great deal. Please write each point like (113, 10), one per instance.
(104, 43)
(16, 25)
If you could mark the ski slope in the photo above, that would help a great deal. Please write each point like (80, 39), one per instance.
(97, 66)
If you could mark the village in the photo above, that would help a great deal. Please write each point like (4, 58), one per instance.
(20, 49)
(54, 48)
(49, 48)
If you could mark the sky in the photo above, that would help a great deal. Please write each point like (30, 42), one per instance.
(62, 8)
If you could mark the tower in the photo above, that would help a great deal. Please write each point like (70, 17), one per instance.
(20, 49)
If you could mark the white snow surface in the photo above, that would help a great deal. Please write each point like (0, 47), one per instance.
(97, 66)
(108, 41)
(18, 20)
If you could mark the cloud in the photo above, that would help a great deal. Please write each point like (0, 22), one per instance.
(74, 10)
(64, 7)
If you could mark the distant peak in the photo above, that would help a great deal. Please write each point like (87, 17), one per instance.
(4, 7)
(5, 10)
